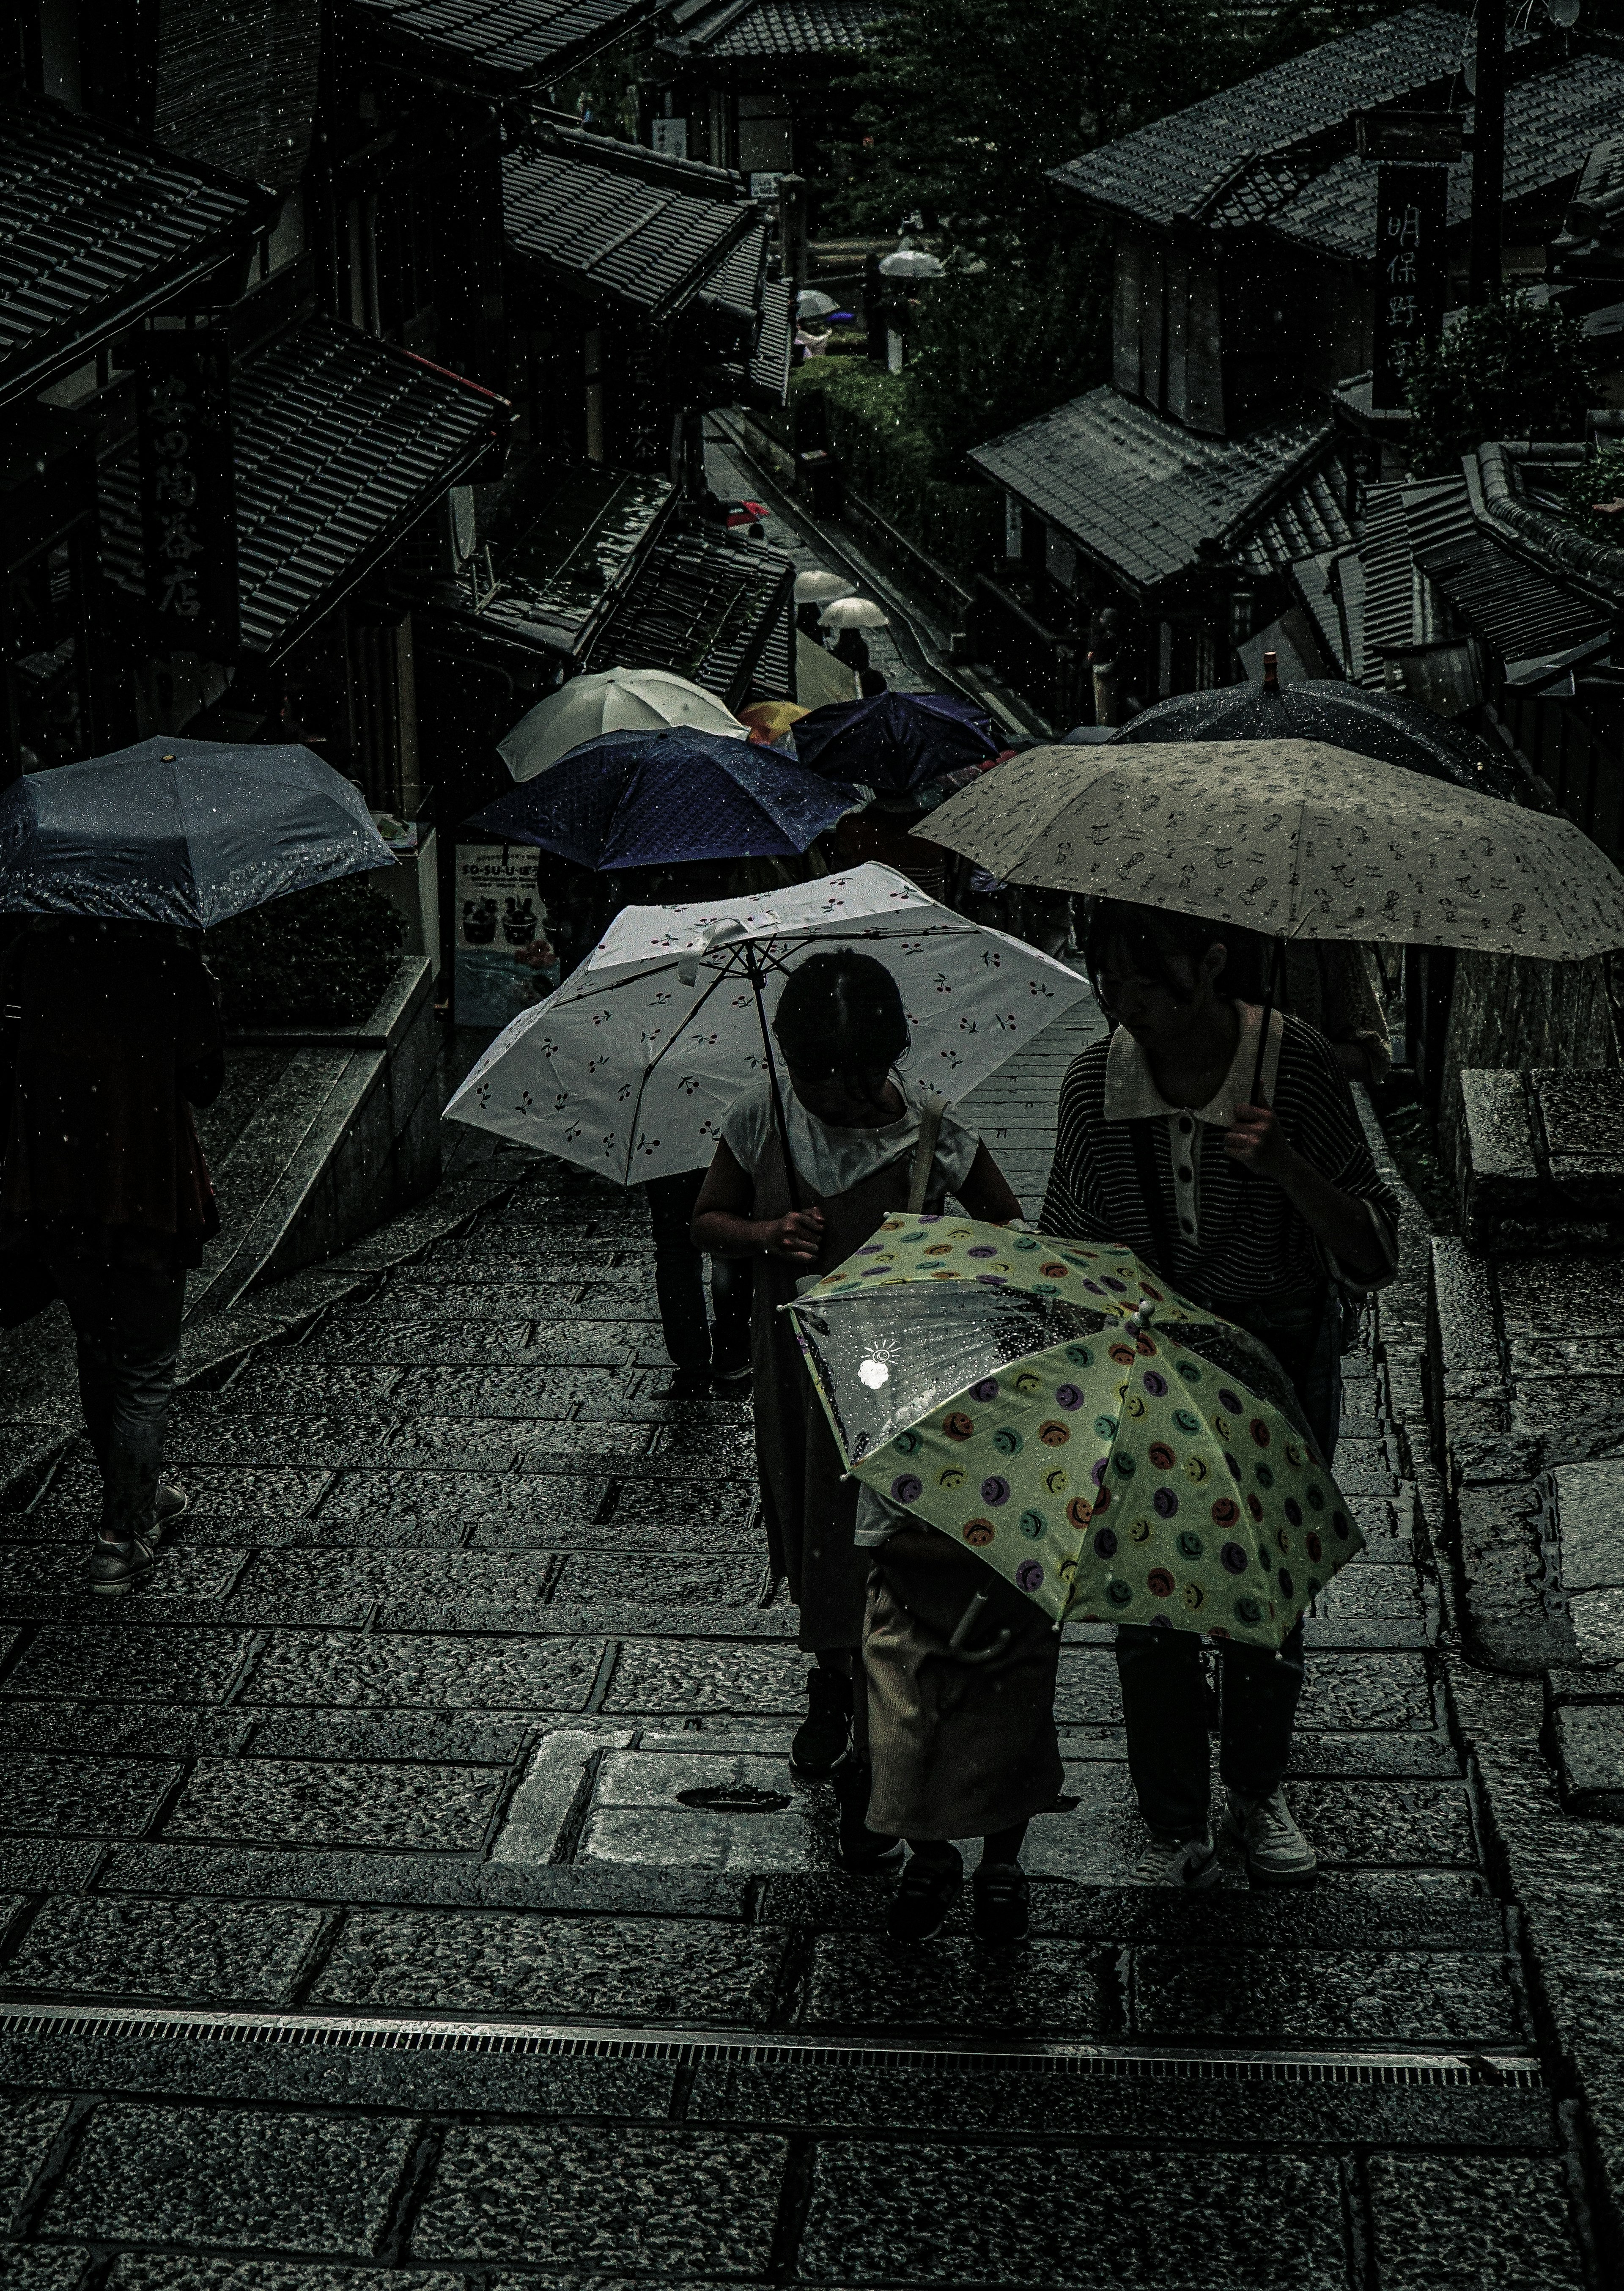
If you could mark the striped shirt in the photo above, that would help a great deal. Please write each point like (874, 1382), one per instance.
(1251, 1242)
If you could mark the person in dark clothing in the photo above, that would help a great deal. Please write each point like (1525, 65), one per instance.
(703, 1357)
(1260, 1202)
(105, 1191)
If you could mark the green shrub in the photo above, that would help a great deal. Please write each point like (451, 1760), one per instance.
(1598, 480)
(318, 958)
(876, 427)
(1510, 368)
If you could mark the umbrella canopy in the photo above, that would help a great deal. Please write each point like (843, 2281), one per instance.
(1292, 838)
(1388, 726)
(771, 722)
(1115, 1452)
(182, 831)
(816, 586)
(812, 302)
(896, 741)
(649, 799)
(619, 700)
(853, 613)
(912, 262)
(631, 1067)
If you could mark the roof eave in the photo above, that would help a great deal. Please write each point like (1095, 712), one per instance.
(436, 64)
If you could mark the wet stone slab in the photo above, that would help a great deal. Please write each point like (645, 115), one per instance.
(287, 2182)
(1445, 2224)
(57, 1571)
(56, 1796)
(583, 1968)
(676, 1579)
(192, 1951)
(41, 2267)
(309, 1578)
(295, 1802)
(28, 2123)
(929, 2213)
(127, 1662)
(1263, 1997)
(416, 1671)
(652, 1676)
(379, 1340)
(460, 1499)
(858, 1982)
(528, 1394)
(1426, 1824)
(668, 2204)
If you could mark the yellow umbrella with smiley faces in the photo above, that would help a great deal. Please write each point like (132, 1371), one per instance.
(1116, 1452)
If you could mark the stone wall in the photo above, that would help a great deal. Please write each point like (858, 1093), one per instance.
(1513, 1010)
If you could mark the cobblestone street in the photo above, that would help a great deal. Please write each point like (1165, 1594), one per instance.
(410, 1882)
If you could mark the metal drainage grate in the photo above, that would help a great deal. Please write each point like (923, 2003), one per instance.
(689, 2047)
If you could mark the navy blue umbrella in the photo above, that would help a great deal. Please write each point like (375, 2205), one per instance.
(181, 832)
(649, 799)
(896, 741)
(1388, 726)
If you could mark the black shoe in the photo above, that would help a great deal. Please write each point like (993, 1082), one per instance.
(926, 1892)
(114, 1566)
(169, 1504)
(1002, 1908)
(866, 1852)
(688, 1383)
(820, 1739)
(730, 1376)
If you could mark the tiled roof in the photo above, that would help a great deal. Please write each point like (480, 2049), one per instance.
(340, 442)
(1147, 499)
(612, 219)
(1399, 521)
(96, 232)
(1307, 519)
(1552, 122)
(502, 46)
(770, 368)
(1194, 163)
(1592, 241)
(734, 285)
(1515, 608)
(701, 603)
(782, 27)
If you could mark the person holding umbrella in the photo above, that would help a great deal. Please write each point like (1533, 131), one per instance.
(123, 863)
(1254, 1200)
(862, 1143)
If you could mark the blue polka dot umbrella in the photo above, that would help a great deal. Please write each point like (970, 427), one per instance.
(1116, 1452)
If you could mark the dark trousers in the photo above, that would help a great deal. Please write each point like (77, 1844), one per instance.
(1164, 1693)
(679, 1281)
(126, 1318)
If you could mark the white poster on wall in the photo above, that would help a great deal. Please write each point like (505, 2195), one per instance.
(504, 960)
(668, 138)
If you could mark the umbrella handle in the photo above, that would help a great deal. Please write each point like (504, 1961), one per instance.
(966, 1624)
(753, 970)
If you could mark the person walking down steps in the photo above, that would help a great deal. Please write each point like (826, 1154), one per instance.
(1263, 1204)
(866, 1143)
(105, 1199)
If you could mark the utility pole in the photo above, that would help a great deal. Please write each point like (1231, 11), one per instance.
(1487, 152)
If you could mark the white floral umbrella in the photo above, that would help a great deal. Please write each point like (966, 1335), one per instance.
(616, 699)
(632, 1066)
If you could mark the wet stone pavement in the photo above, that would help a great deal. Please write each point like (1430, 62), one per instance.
(376, 1904)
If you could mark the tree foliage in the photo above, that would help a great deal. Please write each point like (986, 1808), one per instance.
(1510, 368)
(1595, 491)
(992, 349)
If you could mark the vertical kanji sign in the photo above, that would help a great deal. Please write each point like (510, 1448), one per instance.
(1411, 272)
(189, 510)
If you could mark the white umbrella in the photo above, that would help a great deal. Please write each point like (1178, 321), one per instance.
(912, 262)
(631, 1067)
(616, 699)
(810, 303)
(853, 613)
(817, 587)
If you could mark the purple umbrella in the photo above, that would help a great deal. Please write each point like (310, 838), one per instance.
(897, 741)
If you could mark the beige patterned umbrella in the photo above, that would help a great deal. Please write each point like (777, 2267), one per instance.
(1294, 839)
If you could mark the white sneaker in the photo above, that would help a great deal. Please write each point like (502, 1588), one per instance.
(1276, 1852)
(1189, 1864)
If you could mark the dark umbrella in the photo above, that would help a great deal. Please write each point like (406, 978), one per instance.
(897, 741)
(647, 799)
(187, 833)
(1382, 724)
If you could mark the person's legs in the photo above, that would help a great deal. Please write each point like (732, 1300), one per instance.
(1164, 1706)
(127, 1324)
(679, 1277)
(732, 1290)
(1002, 1896)
(1260, 1693)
